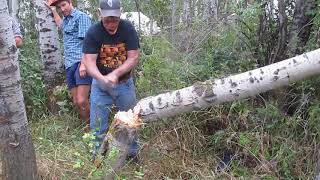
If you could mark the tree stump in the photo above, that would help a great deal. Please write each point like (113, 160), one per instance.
(116, 145)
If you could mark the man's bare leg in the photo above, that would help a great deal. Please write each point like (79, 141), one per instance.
(80, 95)
(83, 102)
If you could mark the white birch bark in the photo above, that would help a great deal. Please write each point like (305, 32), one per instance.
(216, 91)
(81, 5)
(186, 11)
(13, 6)
(215, 9)
(17, 155)
(50, 52)
(206, 10)
(173, 21)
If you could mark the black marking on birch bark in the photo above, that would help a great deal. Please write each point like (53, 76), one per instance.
(233, 84)
(209, 96)
(50, 50)
(164, 106)
(261, 78)
(275, 78)
(45, 30)
(255, 78)
(151, 106)
(305, 56)
(12, 49)
(250, 73)
(146, 113)
(48, 63)
(159, 101)
(294, 61)
(200, 87)
(178, 97)
(53, 47)
(261, 71)
(276, 72)
(2, 43)
(222, 80)
(9, 69)
(251, 80)
(230, 91)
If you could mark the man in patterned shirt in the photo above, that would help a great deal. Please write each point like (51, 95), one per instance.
(74, 26)
(111, 52)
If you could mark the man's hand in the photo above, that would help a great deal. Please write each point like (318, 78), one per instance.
(47, 3)
(111, 79)
(82, 70)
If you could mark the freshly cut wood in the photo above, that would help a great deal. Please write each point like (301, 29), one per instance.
(117, 143)
(216, 91)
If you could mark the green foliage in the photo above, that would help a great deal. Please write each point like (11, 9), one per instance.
(32, 82)
(157, 69)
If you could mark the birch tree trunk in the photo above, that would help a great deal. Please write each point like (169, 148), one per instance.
(13, 6)
(302, 24)
(50, 52)
(215, 9)
(17, 155)
(173, 21)
(139, 17)
(279, 52)
(81, 5)
(206, 10)
(186, 12)
(216, 91)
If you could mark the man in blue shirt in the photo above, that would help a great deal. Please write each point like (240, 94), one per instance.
(74, 26)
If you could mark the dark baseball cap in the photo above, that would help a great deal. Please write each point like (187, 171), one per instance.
(110, 8)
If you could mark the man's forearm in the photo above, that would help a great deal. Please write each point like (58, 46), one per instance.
(92, 69)
(56, 17)
(127, 66)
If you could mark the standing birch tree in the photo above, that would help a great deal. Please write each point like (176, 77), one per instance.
(17, 155)
(50, 52)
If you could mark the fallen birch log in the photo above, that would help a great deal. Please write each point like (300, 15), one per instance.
(234, 87)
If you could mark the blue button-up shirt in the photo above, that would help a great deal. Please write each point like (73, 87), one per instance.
(74, 28)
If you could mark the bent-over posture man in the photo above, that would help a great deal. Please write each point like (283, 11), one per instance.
(74, 26)
(110, 53)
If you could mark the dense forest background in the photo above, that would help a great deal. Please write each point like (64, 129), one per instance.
(274, 135)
